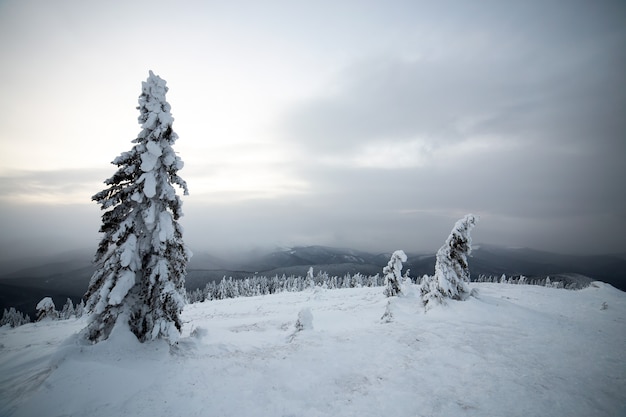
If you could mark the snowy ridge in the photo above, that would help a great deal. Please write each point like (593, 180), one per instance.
(512, 350)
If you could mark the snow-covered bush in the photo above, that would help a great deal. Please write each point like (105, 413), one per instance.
(141, 260)
(451, 269)
(304, 322)
(393, 273)
(46, 309)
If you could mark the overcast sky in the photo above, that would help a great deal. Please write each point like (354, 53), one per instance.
(366, 124)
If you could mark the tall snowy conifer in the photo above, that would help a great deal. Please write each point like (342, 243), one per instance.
(451, 269)
(141, 260)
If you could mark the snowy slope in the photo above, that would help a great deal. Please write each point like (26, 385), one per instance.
(510, 351)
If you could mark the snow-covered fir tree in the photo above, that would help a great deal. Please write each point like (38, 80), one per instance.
(80, 308)
(46, 309)
(310, 282)
(141, 260)
(393, 273)
(451, 269)
(68, 310)
(357, 280)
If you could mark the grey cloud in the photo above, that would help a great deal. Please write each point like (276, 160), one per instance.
(543, 81)
(63, 184)
(541, 84)
(448, 102)
(524, 183)
(538, 72)
(48, 229)
(414, 210)
(391, 100)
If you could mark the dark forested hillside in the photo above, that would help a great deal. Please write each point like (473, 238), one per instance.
(24, 283)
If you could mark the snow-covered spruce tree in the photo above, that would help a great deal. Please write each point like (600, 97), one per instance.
(310, 280)
(393, 273)
(141, 260)
(451, 270)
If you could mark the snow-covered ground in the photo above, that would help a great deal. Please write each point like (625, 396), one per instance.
(510, 351)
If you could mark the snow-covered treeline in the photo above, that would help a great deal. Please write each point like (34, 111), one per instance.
(262, 285)
(522, 280)
(13, 318)
(46, 310)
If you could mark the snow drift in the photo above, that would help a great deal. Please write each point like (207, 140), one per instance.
(510, 351)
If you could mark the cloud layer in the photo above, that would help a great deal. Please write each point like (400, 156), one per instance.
(357, 124)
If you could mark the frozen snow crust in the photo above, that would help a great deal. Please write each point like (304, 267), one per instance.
(511, 350)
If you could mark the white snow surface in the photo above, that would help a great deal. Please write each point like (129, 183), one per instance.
(512, 350)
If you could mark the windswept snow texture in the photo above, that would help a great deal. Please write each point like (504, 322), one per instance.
(511, 351)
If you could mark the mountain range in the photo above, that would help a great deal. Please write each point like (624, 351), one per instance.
(24, 282)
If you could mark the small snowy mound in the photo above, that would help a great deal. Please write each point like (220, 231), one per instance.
(305, 320)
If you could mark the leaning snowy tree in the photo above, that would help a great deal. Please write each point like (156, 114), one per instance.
(46, 309)
(141, 260)
(451, 270)
(393, 273)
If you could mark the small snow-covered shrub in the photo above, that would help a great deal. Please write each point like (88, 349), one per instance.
(388, 314)
(305, 320)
